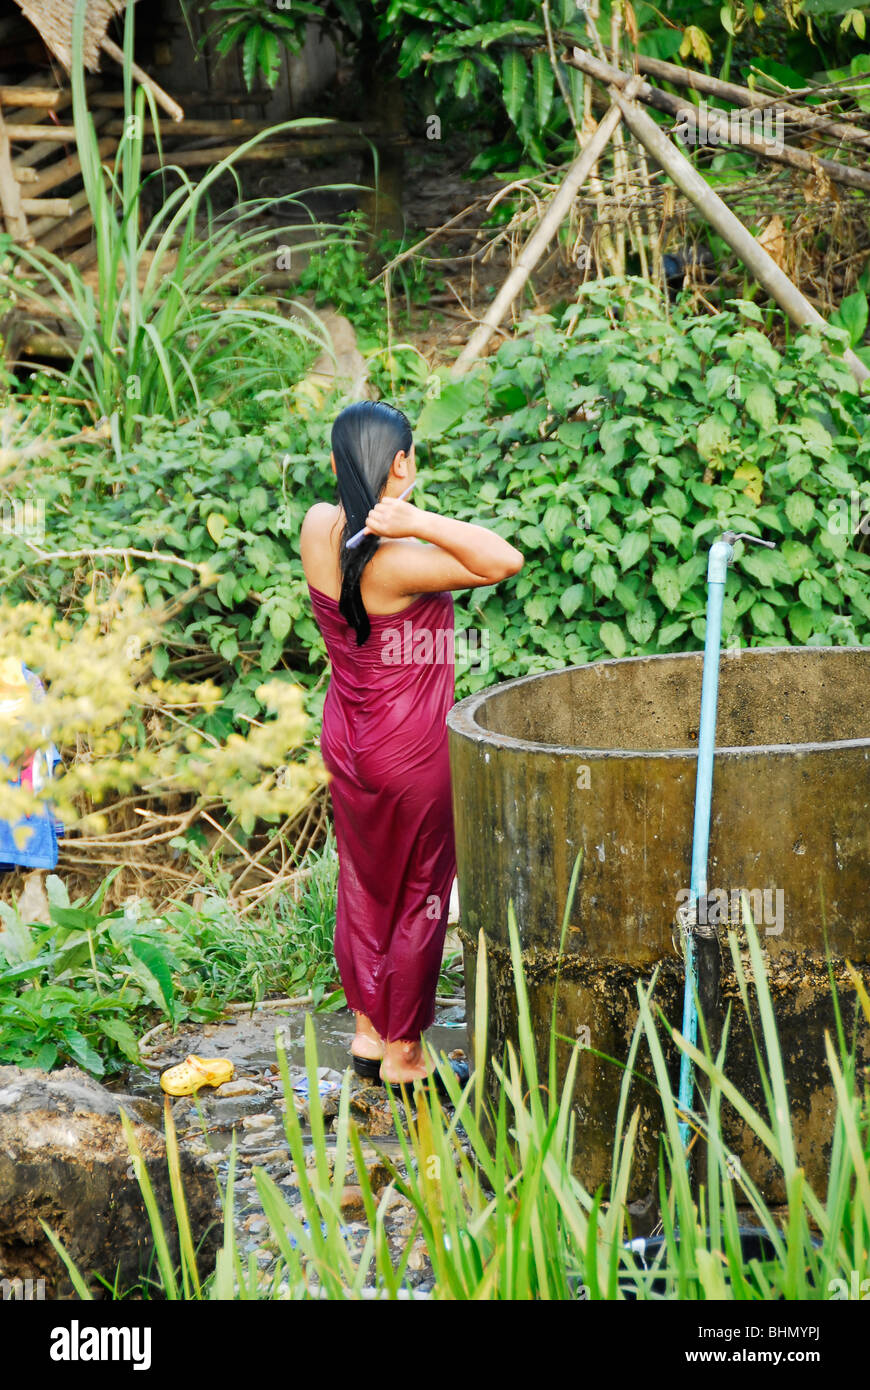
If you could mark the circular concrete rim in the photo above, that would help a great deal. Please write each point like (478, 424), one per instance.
(462, 718)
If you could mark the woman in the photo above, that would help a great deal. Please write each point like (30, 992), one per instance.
(386, 615)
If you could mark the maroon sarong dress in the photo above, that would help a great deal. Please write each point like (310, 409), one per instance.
(384, 742)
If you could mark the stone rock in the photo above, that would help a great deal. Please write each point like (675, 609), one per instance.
(345, 365)
(379, 1176)
(454, 1017)
(241, 1087)
(33, 905)
(329, 1105)
(397, 1207)
(143, 1108)
(418, 1255)
(352, 1204)
(329, 1156)
(257, 1122)
(64, 1159)
(371, 1111)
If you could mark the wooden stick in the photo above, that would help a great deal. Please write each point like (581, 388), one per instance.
(84, 255)
(723, 220)
(718, 123)
(300, 149)
(162, 98)
(744, 96)
(49, 221)
(10, 193)
(34, 153)
(19, 131)
(65, 168)
(541, 237)
(64, 99)
(24, 175)
(67, 230)
(30, 96)
(47, 207)
(206, 98)
(619, 182)
(239, 129)
(193, 128)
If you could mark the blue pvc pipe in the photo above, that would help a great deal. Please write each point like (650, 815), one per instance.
(721, 552)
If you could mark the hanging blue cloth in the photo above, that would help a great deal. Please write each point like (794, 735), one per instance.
(39, 849)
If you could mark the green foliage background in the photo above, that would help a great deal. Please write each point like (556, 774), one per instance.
(700, 425)
(612, 449)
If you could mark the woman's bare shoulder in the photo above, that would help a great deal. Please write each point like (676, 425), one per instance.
(317, 546)
(317, 524)
(319, 515)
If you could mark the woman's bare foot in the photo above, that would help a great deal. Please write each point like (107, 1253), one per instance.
(367, 1041)
(403, 1061)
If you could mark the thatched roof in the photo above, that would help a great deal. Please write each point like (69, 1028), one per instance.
(54, 20)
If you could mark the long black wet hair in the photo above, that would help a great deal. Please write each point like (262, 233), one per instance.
(366, 437)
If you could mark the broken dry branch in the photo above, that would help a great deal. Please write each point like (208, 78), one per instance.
(722, 219)
(162, 98)
(537, 243)
(744, 96)
(718, 123)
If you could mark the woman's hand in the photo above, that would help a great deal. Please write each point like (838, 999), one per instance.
(394, 518)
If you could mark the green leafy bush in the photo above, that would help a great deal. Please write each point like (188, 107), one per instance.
(229, 491)
(262, 31)
(613, 449)
(71, 990)
(83, 987)
(284, 949)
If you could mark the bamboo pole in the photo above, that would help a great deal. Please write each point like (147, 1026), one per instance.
(234, 128)
(186, 99)
(19, 131)
(238, 129)
(65, 168)
(64, 97)
(744, 96)
(34, 153)
(620, 163)
(541, 237)
(47, 207)
(30, 96)
(655, 242)
(67, 230)
(601, 237)
(10, 192)
(723, 220)
(300, 149)
(162, 98)
(48, 223)
(718, 123)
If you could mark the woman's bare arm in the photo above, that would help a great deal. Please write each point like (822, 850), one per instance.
(459, 554)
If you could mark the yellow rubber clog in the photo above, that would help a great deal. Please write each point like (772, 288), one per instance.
(187, 1076)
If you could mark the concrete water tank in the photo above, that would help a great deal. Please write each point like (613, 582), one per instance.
(601, 759)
